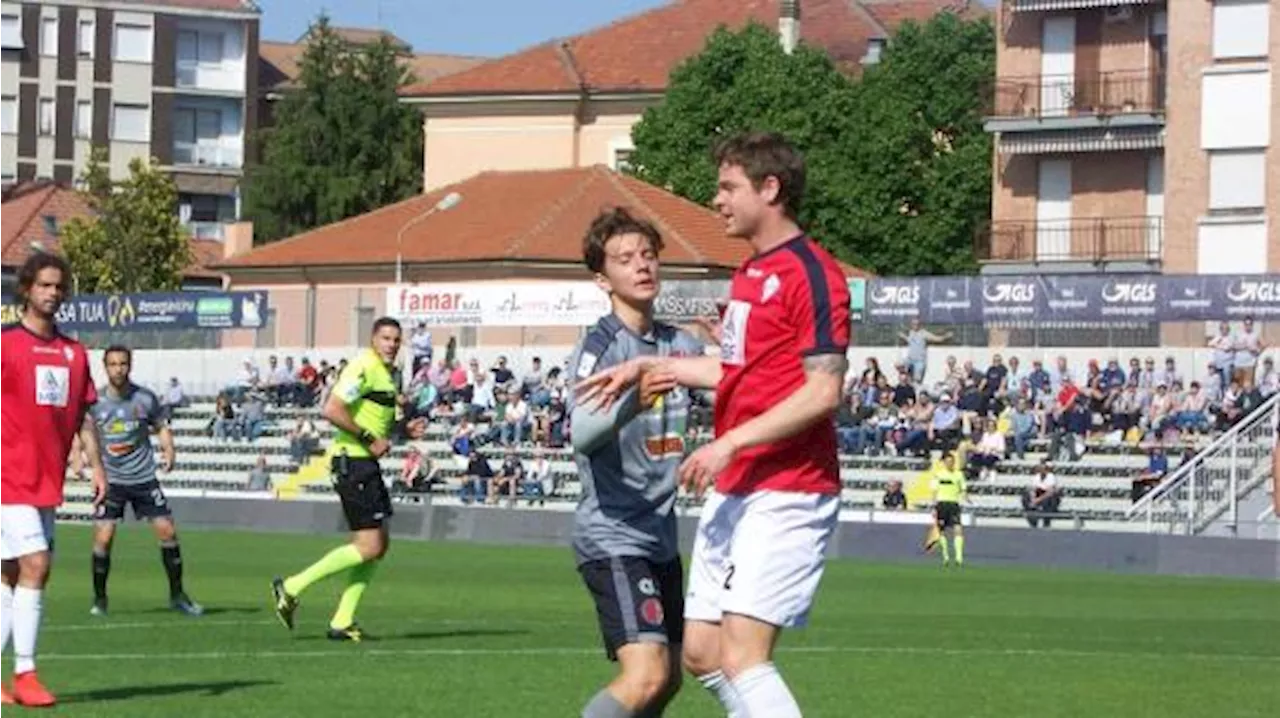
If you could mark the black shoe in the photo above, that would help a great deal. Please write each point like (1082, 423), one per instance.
(182, 604)
(350, 633)
(286, 605)
(99, 607)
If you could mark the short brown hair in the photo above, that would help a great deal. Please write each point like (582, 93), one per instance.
(31, 268)
(611, 223)
(767, 154)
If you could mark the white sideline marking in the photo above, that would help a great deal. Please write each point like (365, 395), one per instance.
(573, 651)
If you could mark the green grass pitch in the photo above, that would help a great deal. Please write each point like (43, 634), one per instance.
(469, 630)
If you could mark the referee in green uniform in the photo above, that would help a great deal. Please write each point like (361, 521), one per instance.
(948, 491)
(362, 406)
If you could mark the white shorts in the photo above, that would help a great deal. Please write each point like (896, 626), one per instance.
(24, 530)
(760, 555)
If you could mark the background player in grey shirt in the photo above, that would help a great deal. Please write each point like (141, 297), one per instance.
(624, 533)
(126, 415)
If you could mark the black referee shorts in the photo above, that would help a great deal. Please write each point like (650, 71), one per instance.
(358, 483)
(948, 514)
(637, 600)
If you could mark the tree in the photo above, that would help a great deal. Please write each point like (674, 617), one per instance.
(341, 144)
(899, 165)
(921, 171)
(135, 241)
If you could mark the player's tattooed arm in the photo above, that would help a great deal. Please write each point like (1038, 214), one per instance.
(836, 365)
(814, 401)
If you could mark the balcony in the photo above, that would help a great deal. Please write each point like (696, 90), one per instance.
(1042, 5)
(1095, 240)
(1124, 98)
(204, 230)
(208, 156)
(209, 78)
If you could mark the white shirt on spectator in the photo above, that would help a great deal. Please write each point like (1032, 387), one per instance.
(281, 376)
(1247, 345)
(992, 442)
(1223, 347)
(421, 343)
(517, 411)
(1045, 482)
(482, 395)
(249, 375)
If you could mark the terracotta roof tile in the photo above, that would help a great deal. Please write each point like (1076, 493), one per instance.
(278, 65)
(522, 216)
(639, 52)
(26, 207)
(892, 13)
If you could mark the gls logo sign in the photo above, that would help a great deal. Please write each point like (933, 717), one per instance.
(1130, 292)
(1254, 291)
(1010, 292)
(903, 294)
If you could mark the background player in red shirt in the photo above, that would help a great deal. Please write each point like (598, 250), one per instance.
(47, 391)
(763, 533)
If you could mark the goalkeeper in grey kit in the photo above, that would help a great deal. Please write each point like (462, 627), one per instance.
(624, 534)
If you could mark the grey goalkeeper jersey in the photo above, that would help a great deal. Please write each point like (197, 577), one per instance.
(629, 478)
(124, 432)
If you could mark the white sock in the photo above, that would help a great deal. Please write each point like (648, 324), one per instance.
(723, 690)
(26, 626)
(6, 615)
(763, 693)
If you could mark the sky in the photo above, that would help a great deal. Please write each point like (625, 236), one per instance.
(466, 27)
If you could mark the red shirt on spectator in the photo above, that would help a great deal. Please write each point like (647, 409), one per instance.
(46, 391)
(1067, 395)
(785, 304)
(308, 375)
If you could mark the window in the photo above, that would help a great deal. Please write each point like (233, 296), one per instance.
(84, 39)
(9, 115)
(11, 32)
(84, 119)
(204, 48)
(1235, 109)
(1237, 179)
(46, 116)
(49, 36)
(133, 43)
(131, 123)
(622, 159)
(875, 48)
(364, 323)
(1240, 29)
(1231, 246)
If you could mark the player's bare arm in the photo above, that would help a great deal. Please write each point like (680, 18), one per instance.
(815, 400)
(605, 387)
(167, 451)
(338, 414)
(89, 442)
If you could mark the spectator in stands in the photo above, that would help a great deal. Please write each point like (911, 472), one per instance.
(423, 399)
(304, 439)
(1223, 346)
(508, 479)
(1246, 346)
(308, 383)
(259, 477)
(894, 499)
(1193, 412)
(1015, 379)
(418, 472)
(1160, 413)
(249, 379)
(1042, 497)
(1038, 380)
(1071, 428)
(502, 375)
(556, 421)
(539, 475)
(420, 345)
(483, 397)
(952, 377)
(1023, 425)
(475, 487)
(464, 438)
(989, 450)
(1267, 379)
(1169, 374)
(252, 420)
(531, 385)
(1157, 467)
(174, 397)
(915, 435)
(993, 383)
(872, 375)
(972, 404)
(849, 431)
(224, 418)
(459, 384)
(1147, 376)
(515, 421)
(1126, 408)
(1060, 376)
(279, 384)
(917, 339)
(903, 391)
(944, 427)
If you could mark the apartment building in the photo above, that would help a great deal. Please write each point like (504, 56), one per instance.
(1135, 135)
(174, 80)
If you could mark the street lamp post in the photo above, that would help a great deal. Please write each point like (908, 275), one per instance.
(447, 202)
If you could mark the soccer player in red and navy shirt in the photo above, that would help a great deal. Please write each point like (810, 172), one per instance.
(47, 391)
(762, 538)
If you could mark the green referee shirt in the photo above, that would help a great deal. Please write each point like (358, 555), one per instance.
(369, 390)
(949, 486)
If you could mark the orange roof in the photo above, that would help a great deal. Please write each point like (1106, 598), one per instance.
(535, 215)
(638, 53)
(30, 208)
(278, 61)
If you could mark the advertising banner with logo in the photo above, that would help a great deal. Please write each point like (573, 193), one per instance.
(157, 310)
(514, 304)
(1072, 299)
(683, 300)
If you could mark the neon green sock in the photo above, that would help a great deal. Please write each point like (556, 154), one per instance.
(357, 582)
(960, 548)
(337, 560)
(944, 548)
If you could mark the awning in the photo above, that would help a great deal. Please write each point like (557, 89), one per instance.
(1093, 140)
(1032, 5)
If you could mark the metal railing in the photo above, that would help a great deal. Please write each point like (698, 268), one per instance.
(1213, 483)
(1093, 239)
(204, 230)
(1102, 94)
(185, 153)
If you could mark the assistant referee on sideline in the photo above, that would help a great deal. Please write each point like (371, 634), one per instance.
(362, 406)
